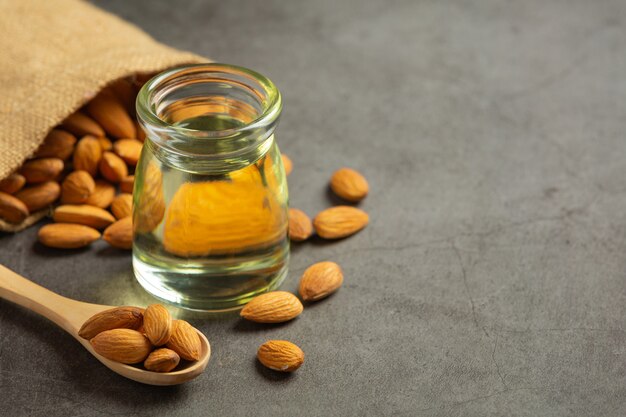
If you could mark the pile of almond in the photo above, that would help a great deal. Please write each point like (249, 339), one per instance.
(133, 335)
(87, 164)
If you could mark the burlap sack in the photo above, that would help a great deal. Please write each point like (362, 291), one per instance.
(55, 55)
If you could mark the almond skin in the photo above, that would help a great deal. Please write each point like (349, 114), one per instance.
(13, 183)
(114, 318)
(80, 125)
(120, 234)
(300, 225)
(287, 164)
(41, 170)
(58, 144)
(83, 214)
(122, 206)
(162, 360)
(87, 155)
(127, 184)
(157, 324)
(272, 307)
(122, 345)
(185, 340)
(102, 195)
(77, 187)
(40, 195)
(280, 355)
(12, 209)
(129, 150)
(349, 185)
(111, 115)
(320, 280)
(112, 167)
(340, 221)
(67, 236)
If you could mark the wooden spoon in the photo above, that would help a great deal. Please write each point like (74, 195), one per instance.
(71, 314)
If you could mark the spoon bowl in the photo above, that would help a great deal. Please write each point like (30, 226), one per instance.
(71, 314)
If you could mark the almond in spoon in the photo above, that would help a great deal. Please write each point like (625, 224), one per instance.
(114, 318)
(162, 360)
(157, 324)
(185, 340)
(122, 345)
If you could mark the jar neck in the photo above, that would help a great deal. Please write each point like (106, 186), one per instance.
(209, 114)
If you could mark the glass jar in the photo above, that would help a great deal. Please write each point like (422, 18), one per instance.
(210, 199)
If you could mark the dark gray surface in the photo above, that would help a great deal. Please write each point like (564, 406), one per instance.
(491, 280)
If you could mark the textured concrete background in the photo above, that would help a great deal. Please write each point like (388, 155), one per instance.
(491, 280)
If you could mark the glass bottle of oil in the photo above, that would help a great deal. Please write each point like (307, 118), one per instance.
(210, 198)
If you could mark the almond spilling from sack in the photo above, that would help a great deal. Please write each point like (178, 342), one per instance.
(67, 236)
(12, 209)
(280, 355)
(12, 184)
(272, 307)
(77, 187)
(84, 214)
(37, 197)
(120, 233)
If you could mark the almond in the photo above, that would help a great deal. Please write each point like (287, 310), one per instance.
(151, 202)
(320, 280)
(287, 164)
(120, 234)
(12, 210)
(87, 155)
(340, 221)
(280, 355)
(67, 236)
(112, 167)
(113, 318)
(105, 144)
(272, 307)
(157, 324)
(129, 150)
(185, 340)
(111, 115)
(40, 195)
(58, 144)
(122, 206)
(125, 93)
(77, 187)
(80, 125)
(41, 170)
(102, 195)
(300, 226)
(122, 345)
(84, 214)
(162, 360)
(349, 185)
(13, 183)
(141, 134)
(127, 184)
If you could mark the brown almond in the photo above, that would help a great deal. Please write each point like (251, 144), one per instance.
(102, 195)
(13, 183)
(125, 93)
(111, 115)
(287, 164)
(83, 214)
(39, 196)
(272, 307)
(58, 144)
(157, 324)
(162, 360)
(122, 345)
(87, 155)
(113, 318)
(12, 210)
(300, 225)
(105, 144)
(185, 340)
(80, 125)
(112, 167)
(349, 185)
(320, 280)
(77, 187)
(67, 236)
(340, 221)
(120, 234)
(41, 170)
(127, 184)
(129, 150)
(280, 355)
(122, 206)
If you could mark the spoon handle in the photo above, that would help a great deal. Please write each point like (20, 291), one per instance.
(65, 312)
